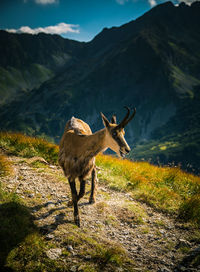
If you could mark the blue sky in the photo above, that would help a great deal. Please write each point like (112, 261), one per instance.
(75, 19)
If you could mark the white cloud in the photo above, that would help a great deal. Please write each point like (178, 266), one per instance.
(122, 2)
(152, 3)
(45, 2)
(57, 29)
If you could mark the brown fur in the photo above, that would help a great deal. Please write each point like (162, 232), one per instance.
(78, 148)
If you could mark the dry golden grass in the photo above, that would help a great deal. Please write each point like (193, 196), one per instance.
(25, 146)
(166, 188)
(5, 166)
(24, 248)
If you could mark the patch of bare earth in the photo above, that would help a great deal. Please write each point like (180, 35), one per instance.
(153, 240)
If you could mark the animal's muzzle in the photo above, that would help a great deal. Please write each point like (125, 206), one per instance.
(127, 150)
(124, 152)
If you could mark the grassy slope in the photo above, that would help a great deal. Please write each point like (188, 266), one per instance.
(25, 146)
(178, 140)
(15, 81)
(172, 149)
(23, 246)
(167, 189)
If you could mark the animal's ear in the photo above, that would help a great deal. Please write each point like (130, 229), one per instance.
(114, 119)
(105, 120)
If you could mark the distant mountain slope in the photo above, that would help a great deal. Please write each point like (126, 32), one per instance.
(152, 63)
(26, 61)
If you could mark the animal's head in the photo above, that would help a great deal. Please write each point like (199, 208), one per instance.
(115, 133)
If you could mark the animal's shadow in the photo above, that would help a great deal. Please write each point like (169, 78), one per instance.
(192, 260)
(60, 218)
(16, 222)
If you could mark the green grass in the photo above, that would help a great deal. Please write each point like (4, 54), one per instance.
(16, 224)
(183, 147)
(167, 189)
(14, 81)
(136, 212)
(183, 82)
(30, 255)
(24, 248)
(190, 208)
(24, 146)
(5, 166)
(99, 253)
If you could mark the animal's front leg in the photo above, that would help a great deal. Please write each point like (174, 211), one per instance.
(93, 186)
(75, 201)
(82, 188)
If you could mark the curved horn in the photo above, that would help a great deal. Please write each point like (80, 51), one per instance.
(131, 117)
(123, 122)
(127, 119)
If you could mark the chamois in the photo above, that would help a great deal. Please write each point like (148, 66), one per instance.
(78, 148)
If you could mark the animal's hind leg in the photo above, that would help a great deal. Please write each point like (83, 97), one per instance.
(75, 201)
(82, 188)
(93, 186)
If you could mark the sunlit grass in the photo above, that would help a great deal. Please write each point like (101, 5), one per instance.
(134, 211)
(5, 166)
(24, 247)
(25, 146)
(165, 188)
(168, 189)
(16, 224)
(103, 254)
(30, 255)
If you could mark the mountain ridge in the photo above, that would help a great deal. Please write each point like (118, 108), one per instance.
(29, 60)
(151, 63)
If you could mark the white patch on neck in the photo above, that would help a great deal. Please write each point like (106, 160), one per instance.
(75, 125)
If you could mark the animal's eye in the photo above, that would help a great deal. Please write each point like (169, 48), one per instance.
(114, 133)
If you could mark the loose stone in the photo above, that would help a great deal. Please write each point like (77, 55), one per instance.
(54, 253)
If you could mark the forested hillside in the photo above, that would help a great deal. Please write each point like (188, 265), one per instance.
(151, 63)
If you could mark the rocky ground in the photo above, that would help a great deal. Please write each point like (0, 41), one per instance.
(153, 240)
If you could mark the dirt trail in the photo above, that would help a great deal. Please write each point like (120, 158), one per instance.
(155, 241)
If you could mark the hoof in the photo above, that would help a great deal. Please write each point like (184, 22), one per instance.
(92, 200)
(70, 203)
(77, 221)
